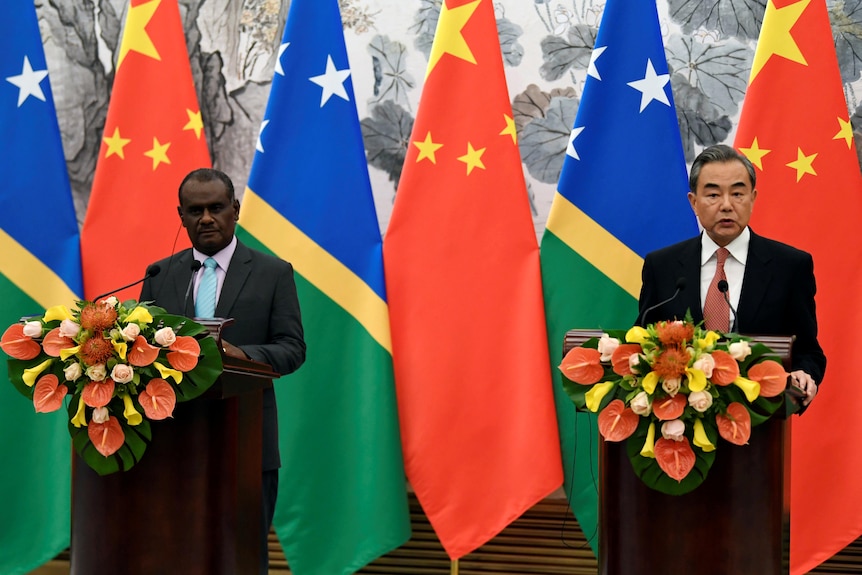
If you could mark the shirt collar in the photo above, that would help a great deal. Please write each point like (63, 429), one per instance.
(738, 248)
(222, 257)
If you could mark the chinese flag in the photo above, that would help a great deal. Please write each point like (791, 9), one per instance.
(153, 137)
(469, 344)
(796, 130)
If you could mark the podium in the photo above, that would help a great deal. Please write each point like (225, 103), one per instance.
(737, 521)
(192, 504)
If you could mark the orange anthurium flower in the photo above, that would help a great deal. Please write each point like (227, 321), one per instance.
(158, 399)
(726, 369)
(107, 437)
(98, 393)
(186, 350)
(142, 353)
(617, 422)
(48, 394)
(771, 377)
(54, 342)
(621, 355)
(17, 345)
(669, 407)
(735, 425)
(676, 458)
(581, 365)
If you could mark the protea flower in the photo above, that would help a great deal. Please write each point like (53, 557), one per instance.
(98, 316)
(96, 350)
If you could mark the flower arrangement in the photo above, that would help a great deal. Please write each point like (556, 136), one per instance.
(117, 366)
(680, 383)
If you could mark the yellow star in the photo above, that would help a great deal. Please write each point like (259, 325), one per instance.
(116, 144)
(755, 153)
(448, 39)
(803, 164)
(135, 35)
(195, 122)
(473, 158)
(427, 149)
(159, 153)
(778, 40)
(510, 129)
(845, 133)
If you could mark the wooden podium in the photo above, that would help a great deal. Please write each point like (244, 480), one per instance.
(192, 504)
(736, 522)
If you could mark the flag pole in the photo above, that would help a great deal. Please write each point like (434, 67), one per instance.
(453, 567)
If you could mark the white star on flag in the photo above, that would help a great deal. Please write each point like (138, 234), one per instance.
(332, 82)
(259, 145)
(570, 148)
(278, 69)
(28, 82)
(591, 69)
(651, 87)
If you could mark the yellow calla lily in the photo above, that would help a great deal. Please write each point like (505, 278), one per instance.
(595, 395)
(650, 382)
(80, 416)
(167, 372)
(648, 450)
(30, 374)
(131, 414)
(696, 379)
(700, 438)
(139, 315)
(120, 347)
(749, 387)
(69, 352)
(58, 312)
(709, 341)
(637, 334)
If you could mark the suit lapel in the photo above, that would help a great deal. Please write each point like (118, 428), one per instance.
(180, 282)
(755, 280)
(237, 274)
(689, 262)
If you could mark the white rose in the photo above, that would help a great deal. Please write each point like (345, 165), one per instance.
(130, 332)
(101, 415)
(700, 400)
(671, 386)
(111, 301)
(97, 372)
(33, 329)
(673, 429)
(706, 364)
(634, 360)
(739, 350)
(72, 371)
(641, 404)
(122, 373)
(165, 337)
(607, 345)
(69, 328)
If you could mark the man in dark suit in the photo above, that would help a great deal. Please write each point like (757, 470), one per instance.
(255, 289)
(770, 285)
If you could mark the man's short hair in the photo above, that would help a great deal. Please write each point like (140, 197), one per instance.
(207, 175)
(719, 153)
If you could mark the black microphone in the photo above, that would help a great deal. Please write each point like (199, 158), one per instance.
(196, 265)
(680, 285)
(152, 271)
(723, 287)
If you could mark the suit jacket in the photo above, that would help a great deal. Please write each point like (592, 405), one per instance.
(260, 295)
(777, 295)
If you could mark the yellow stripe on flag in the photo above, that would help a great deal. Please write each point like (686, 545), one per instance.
(317, 266)
(596, 245)
(32, 276)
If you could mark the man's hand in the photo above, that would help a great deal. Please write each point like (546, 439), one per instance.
(804, 382)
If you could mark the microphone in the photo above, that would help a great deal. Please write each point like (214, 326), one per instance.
(723, 287)
(680, 285)
(196, 265)
(152, 271)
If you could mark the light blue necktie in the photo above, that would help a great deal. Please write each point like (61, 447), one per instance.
(206, 301)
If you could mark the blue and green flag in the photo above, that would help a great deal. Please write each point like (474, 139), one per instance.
(342, 493)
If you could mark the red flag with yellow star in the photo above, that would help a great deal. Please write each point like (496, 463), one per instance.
(795, 128)
(153, 137)
(469, 344)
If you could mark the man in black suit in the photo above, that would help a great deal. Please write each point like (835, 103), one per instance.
(770, 285)
(255, 289)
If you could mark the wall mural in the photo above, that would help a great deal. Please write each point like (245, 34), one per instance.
(546, 49)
